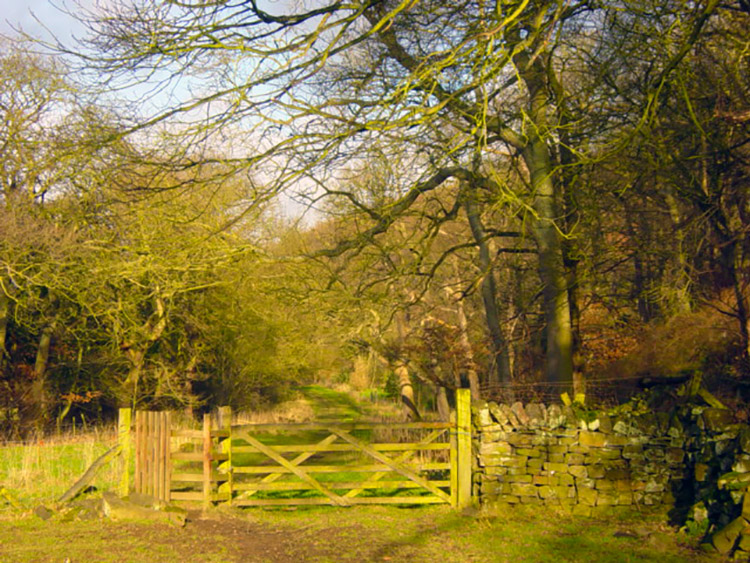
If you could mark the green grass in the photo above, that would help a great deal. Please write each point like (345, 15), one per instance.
(43, 470)
(425, 534)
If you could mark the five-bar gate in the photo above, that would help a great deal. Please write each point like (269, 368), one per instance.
(302, 464)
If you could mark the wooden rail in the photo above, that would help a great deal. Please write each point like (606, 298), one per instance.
(338, 463)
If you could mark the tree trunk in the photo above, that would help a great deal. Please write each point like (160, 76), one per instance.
(551, 267)
(443, 408)
(546, 225)
(38, 392)
(470, 365)
(4, 316)
(407, 392)
(406, 389)
(501, 362)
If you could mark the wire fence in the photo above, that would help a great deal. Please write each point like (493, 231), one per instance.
(600, 392)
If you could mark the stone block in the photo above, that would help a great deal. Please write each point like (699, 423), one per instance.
(520, 439)
(581, 510)
(579, 471)
(494, 433)
(571, 420)
(497, 413)
(676, 429)
(543, 439)
(654, 453)
(615, 474)
(496, 470)
(605, 423)
(555, 417)
(546, 492)
(592, 439)
(531, 500)
(621, 427)
(495, 459)
(557, 449)
(523, 489)
(606, 498)
(583, 483)
(746, 506)
(525, 478)
(534, 464)
(495, 448)
(556, 458)
(647, 424)
(654, 486)
(725, 539)
(741, 464)
(529, 452)
(675, 456)
(565, 479)
(520, 412)
(616, 440)
(574, 459)
(622, 484)
(632, 452)
(600, 457)
(715, 420)
(604, 485)
(481, 414)
(537, 414)
(555, 467)
(597, 471)
(540, 479)
(588, 496)
(624, 498)
(744, 439)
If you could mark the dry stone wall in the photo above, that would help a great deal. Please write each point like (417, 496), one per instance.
(553, 455)
(692, 462)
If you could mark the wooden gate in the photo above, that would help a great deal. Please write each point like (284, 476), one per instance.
(303, 464)
(152, 454)
(333, 464)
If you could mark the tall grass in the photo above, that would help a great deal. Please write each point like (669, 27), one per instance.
(42, 470)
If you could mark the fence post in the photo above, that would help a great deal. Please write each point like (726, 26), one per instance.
(126, 449)
(225, 424)
(167, 445)
(454, 459)
(206, 460)
(463, 448)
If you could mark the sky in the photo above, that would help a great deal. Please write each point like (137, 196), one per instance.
(18, 13)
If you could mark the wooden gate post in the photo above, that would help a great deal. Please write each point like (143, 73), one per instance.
(463, 448)
(206, 460)
(225, 424)
(126, 449)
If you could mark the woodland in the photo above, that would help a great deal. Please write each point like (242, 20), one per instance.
(212, 202)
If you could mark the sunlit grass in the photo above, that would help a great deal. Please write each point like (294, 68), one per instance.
(42, 470)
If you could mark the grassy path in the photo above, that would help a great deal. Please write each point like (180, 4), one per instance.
(332, 406)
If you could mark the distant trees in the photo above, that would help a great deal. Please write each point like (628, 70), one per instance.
(477, 175)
